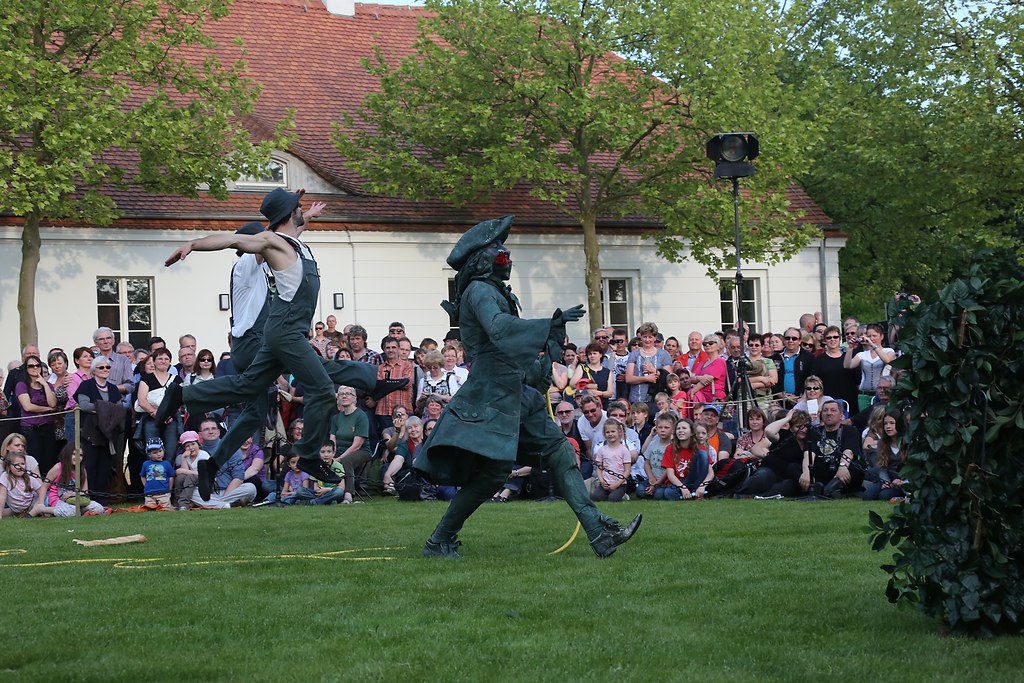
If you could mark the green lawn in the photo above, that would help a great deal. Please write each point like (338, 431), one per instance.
(717, 590)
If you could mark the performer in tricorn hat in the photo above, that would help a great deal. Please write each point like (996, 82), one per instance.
(497, 417)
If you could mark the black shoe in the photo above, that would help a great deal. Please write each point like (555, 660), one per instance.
(449, 549)
(386, 386)
(614, 536)
(207, 473)
(319, 470)
(169, 406)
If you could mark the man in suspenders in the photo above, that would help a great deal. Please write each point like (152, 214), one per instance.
(295, 285)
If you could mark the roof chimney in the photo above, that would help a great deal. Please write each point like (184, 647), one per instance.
(343, 8)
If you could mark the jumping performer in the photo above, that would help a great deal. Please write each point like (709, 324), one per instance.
(497, 417)
(295, 285)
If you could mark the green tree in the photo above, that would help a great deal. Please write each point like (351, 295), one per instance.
(104, 94)
(602, 107)
(920, 106)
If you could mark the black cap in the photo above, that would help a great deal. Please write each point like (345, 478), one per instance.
(253, 228)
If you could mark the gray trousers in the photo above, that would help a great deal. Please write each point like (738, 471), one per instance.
(243, 494)
(251, 386)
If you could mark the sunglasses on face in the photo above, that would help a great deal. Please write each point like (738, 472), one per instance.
(832, 336)
(807, 345)
(564, 412)
(601, 337)
(33, 365)
(813, 388)
(710, 343)
(102, 367)
(618, 341)
(792, 338)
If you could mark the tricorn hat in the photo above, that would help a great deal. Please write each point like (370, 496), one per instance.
(478, 237)
(279, 204)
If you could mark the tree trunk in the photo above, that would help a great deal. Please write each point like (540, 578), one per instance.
(27, 280)
(591, 252)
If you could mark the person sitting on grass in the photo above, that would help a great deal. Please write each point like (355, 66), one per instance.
(892, 455)
(401, 463)
(778, 473)
(832, 465)
(326, 493)
(19, 491)
(296, 489)
(700, 431)
(612, 461)
(350, 429)
(723, 442)
(687, 467)
(638, 414)
(16, 443)
(254, 461)
(654, 482)
(186, 475)
(515, 484)
(156, 476)
(230, 488)
(64, 491)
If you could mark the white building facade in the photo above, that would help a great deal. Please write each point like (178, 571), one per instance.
(116, 277)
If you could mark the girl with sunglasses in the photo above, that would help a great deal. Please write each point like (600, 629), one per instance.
(37, 401)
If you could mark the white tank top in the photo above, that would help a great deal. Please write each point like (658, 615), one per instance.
(289, 279)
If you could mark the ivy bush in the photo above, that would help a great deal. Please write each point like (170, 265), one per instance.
(959, 539)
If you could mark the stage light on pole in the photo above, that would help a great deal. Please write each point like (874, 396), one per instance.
(732, 153)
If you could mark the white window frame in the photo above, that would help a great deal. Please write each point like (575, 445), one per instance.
(632, 288)
(755, 281)
(123, 331)
(250, 183)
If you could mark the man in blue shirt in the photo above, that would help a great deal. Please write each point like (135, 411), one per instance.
(794, 364)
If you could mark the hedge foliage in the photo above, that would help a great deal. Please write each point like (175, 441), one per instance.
(959, 539)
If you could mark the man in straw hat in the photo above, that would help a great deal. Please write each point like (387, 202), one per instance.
(295, 285)
(498, 417)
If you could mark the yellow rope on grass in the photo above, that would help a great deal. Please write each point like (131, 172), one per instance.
(579, 526)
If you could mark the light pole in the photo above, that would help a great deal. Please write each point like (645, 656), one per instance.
(732, 154)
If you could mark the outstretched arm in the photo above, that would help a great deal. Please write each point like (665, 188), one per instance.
(250, 244)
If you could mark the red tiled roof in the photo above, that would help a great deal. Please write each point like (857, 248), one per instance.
(308, 59)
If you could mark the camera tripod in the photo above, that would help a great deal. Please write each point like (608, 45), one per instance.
(741, 396)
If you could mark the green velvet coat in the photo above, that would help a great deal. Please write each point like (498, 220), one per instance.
(485, 416)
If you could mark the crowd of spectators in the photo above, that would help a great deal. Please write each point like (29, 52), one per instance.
(650, 417)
